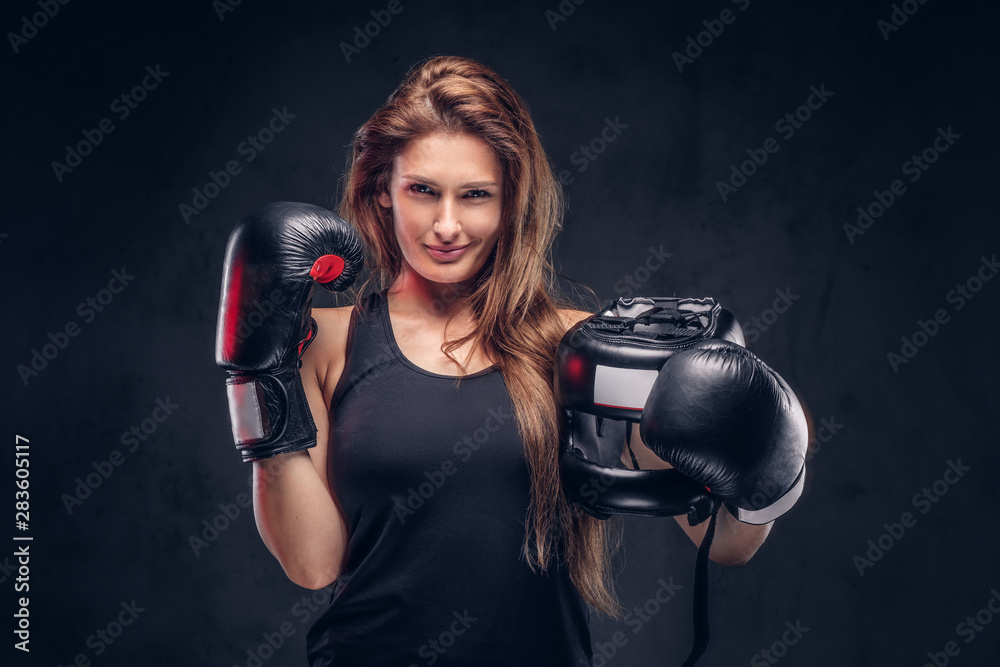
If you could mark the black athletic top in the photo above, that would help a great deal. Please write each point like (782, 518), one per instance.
(434, 486)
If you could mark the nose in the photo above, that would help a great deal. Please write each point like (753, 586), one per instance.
(446, 223)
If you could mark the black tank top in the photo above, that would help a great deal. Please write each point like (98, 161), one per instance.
(433, 483)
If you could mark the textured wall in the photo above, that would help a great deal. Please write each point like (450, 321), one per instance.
(680, 118)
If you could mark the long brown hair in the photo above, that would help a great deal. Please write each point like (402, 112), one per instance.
(515, 301)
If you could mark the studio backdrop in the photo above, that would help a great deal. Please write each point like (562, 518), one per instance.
(825, 170)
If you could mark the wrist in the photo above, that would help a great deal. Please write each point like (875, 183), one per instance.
(269, 412)
(736, 542)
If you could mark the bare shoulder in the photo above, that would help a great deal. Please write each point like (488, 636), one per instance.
(572, 317)
(333, 318)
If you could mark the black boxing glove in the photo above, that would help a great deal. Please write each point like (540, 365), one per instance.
(722, 417)
(274, 257)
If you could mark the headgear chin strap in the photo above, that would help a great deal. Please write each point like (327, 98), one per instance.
(605, 368)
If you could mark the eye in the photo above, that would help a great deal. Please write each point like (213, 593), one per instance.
(478, 194)
(421, 189)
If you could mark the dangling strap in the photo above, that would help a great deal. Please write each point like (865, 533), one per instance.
(700, 614)
(628, 444)
(701, 630)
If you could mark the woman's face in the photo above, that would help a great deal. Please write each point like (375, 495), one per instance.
(446, 197)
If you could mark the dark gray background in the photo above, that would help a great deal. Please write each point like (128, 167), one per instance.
(655, 185)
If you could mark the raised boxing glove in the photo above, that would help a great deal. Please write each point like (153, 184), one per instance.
(274, 258)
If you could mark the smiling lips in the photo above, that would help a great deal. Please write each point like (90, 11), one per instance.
(447, 252)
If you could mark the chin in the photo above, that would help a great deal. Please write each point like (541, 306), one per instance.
(449, 276)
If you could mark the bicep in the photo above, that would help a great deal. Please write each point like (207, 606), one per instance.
(321, 417)
(322, 364)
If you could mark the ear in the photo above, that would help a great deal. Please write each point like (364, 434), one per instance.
(385, 200)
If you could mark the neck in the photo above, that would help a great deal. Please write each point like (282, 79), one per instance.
(414, 294)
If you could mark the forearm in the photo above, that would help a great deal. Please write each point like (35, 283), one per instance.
(298, 519)
(734, 543)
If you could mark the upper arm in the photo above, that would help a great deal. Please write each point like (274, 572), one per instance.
(322, 365)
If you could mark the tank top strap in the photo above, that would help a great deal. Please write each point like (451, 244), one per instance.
(368, 347)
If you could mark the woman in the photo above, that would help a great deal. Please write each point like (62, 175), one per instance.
(432, 498)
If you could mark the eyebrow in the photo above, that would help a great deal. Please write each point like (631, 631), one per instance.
(428, 181)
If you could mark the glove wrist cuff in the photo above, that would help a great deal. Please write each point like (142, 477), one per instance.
(269, 413)
(760, 515)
